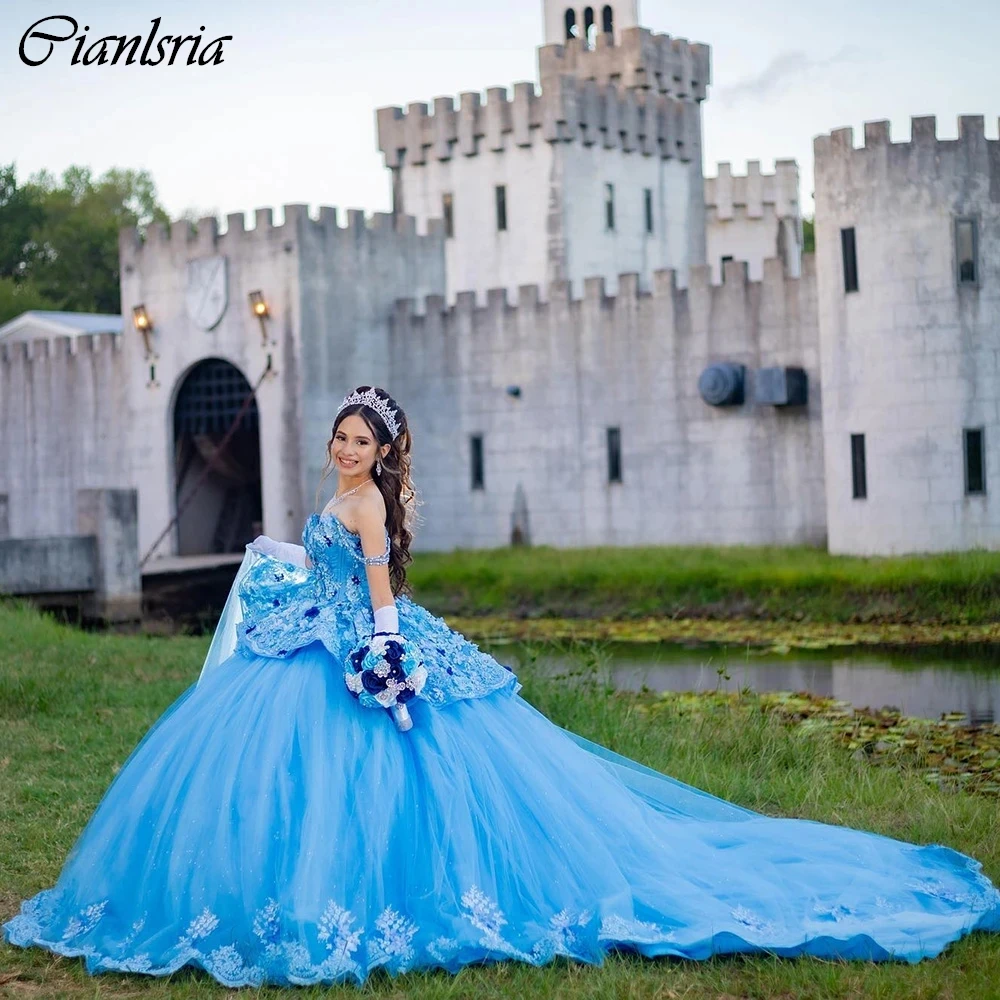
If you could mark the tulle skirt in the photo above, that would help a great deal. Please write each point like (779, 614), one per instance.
(269, 829)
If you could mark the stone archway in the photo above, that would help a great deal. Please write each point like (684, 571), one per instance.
(224, 512)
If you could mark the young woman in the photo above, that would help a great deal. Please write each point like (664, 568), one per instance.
(272, 828)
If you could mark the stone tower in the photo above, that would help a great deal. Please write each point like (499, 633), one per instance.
(565, 19)
(595, 173)
(908, 257)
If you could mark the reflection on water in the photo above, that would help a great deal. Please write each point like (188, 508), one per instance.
(923, 683)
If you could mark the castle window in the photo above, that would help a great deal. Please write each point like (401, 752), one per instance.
(859, 474)
(848, 252)
(614, 455)
(501, 198)
(607, 18)
(722, 265)
(589, 28)
(570, 20)
(476, 461)
(966, 251)
(975, 460)
(648, 205)
(447, 213)
(609, 206)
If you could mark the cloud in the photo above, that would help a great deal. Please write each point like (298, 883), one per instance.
(781, 72)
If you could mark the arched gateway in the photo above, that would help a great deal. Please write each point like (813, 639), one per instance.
(223, 513)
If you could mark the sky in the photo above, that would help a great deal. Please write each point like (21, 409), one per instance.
(290, 115)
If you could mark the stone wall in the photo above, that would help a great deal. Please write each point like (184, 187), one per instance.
(154, 273)
(754, 216)
(554, 150)
(349, 280)
(625, 14)
(911, 358)
(542, 382)
(63, 427)
(632, 58)
(329, 290)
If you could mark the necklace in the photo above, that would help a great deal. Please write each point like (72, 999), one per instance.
(343, 496)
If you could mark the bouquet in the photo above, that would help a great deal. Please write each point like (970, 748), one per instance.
(385, 672)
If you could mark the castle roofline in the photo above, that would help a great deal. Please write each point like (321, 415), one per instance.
(566, 110)
(754, 190)
(641, 60)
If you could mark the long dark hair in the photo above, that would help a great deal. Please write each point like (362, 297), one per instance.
(394, 482)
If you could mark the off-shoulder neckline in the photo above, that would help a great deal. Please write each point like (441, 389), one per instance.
(340, 524)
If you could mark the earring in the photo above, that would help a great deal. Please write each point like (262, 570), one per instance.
(378, 467)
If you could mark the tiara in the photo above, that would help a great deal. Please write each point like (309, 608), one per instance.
(374, 401)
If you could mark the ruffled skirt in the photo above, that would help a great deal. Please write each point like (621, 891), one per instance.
(269, 829)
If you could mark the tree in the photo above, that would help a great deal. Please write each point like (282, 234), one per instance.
(809, 235)
(63, 238)
(76, 261)
(18, 297)
(20, 214)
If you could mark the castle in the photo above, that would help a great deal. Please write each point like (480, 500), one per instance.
(595, 343)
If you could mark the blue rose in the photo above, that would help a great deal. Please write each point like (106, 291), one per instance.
(372, 682)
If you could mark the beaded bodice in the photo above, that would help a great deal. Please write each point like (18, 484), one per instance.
(335, 553)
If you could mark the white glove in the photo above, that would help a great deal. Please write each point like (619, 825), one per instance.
(387, 619)
(284, 551)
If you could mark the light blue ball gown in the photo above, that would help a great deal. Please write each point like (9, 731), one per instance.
(270, 829)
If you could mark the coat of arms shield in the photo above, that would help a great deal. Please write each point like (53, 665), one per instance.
(207, 292)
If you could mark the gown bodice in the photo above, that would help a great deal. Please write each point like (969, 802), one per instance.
(335, 553)
(286, 607)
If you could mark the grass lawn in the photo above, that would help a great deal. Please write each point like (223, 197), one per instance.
(73, 704)
(738, 582)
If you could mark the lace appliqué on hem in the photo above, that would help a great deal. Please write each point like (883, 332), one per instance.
(350, 952)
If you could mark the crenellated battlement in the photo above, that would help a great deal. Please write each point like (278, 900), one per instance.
(746, 195)
(664, 291)
(207, 236)
(43, 349)
(923, 136)
(566, 110)
(642, 60)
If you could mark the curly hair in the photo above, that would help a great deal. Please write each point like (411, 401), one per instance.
(394, 482)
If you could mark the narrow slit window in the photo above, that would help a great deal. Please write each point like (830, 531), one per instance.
(975, 460)
(501, 199)
(607, 19)
(609, 206)
(966, 239)
(859, 473)
(848, 251)
(569, 19)
(614, 455)
(722, 265)
(448, 214)
(589, 27)
(648, 208)
(476, 461)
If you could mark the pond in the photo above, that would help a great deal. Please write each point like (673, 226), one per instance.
(925, 682)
